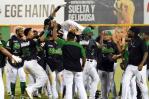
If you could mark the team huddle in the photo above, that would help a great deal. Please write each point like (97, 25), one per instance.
(64, 61)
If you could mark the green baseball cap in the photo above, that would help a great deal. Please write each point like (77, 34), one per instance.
(87, 30)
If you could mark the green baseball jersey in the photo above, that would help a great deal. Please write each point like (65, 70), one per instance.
(71, 52)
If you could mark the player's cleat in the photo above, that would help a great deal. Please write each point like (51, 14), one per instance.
(98, 93)
(12, 97)
(29, 93)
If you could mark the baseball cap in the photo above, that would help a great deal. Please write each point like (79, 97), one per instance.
(135, 29)
(87, 30)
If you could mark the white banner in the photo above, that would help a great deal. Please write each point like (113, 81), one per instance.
(32, 12)
(146, 11)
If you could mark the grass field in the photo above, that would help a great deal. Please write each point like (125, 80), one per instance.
(118, 76)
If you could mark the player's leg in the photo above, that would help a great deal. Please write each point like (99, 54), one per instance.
(52, 78)
(78, 78)
(86, 76)
(68, 80)
(40, 75)
(111, 84)
(14, 73)
(94, 79)
(48, 89)
(60, 84)
(22, 77)
(8, 78)
(1, 85)
(142, 82)
(126, 81)
(53, 84)
(133, 88)
(103, 78)
(40, 82)
(31, 80)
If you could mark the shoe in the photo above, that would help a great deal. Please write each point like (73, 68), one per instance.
(29, 93)
(12, 97)
(97, 95)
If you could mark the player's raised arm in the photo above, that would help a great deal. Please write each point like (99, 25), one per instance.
(53, 14)
(54, 30)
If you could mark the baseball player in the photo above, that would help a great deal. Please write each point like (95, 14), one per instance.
(9, 55)
(91, 61)
(109, 53)
(72, 53)
(54, 61)
(14, 46)
(31, 66)
(136, 64)
(8, 73)
(118, 42)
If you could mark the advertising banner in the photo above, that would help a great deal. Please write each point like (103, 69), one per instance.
(105, 11)
(28, 11)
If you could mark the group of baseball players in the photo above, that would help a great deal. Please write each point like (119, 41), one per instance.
(64, 61)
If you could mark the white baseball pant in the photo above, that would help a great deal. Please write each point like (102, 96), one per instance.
(113, 86)
(131, 71)
(133, 88)
(77, 77)
(90, 71)
(1, 85)
(8, 77)
(32, 80)
(60, 82)
(53, 82)
(20, 72)
(33, 68)
(106, 79)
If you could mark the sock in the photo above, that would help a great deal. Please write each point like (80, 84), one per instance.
(23, 86)
(40, 90)
(13, 85)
